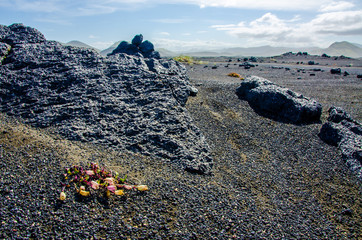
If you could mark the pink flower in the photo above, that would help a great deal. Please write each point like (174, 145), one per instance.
(94, 185)
(127, 187)
(112, 188)
(89, 172)
(109, 180)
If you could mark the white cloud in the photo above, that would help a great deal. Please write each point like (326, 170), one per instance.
(337, 23)
(271, 30)
(165, 33)
(268, 26)
(259, 4)
(96, 7)
(336, 6)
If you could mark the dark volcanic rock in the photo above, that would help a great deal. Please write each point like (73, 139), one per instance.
(19, 34)
(147, 47)
(137, 47)
(125, 47)
(342, 131)
(336, 71)
(278, 102)
(137, 40)
(122, 101)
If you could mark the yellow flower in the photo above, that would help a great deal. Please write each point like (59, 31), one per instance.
(119, 192)
(84, 193)
(142, 188)
(62, 196)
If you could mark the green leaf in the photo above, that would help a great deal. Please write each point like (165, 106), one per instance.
(122, 180)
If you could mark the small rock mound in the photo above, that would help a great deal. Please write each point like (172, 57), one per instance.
(277, 102)
(138, 46)
(19, 34)
(126, 102)
(343, 131)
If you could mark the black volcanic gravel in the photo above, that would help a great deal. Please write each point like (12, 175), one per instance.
(271, 180)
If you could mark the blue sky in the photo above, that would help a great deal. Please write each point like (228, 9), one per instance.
(191, 24)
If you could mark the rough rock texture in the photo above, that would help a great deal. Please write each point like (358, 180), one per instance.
(342, 131)
(126, 102)
(272, 100)
(138, 48)
(19, 34)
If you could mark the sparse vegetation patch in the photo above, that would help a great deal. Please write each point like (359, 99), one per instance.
(87, 180)
(187, 59)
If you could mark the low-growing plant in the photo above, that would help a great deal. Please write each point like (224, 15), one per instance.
(187, 59)
(184, 59)
(95, 178)
(233, 74)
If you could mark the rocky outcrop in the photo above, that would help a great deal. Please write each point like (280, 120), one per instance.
(277, 102)
(137, 47)
(122, 101)
(19, 34)
(343, 131)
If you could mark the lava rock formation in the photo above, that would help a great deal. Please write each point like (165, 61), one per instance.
(126, 102)
(277, 102)
(343, 131)
(138, 47)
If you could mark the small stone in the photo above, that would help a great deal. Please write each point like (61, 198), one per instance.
(137, 40)
(146, 47)
(347, 212)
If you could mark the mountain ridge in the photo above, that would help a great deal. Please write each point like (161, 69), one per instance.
(345, 48)
(76, 43)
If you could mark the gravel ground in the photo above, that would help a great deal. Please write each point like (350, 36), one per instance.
(271, 180)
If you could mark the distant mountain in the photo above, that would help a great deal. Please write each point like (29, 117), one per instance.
(75, 43)
(336, 49)
(357, 44)
(343, 48)
(263, 51)
(110, 49)
(166, 53)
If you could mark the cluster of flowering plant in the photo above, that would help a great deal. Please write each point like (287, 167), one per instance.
(95, 178)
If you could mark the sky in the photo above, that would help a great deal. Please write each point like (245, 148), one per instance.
(184, 25)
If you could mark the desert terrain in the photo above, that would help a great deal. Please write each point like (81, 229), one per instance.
(270, 180)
